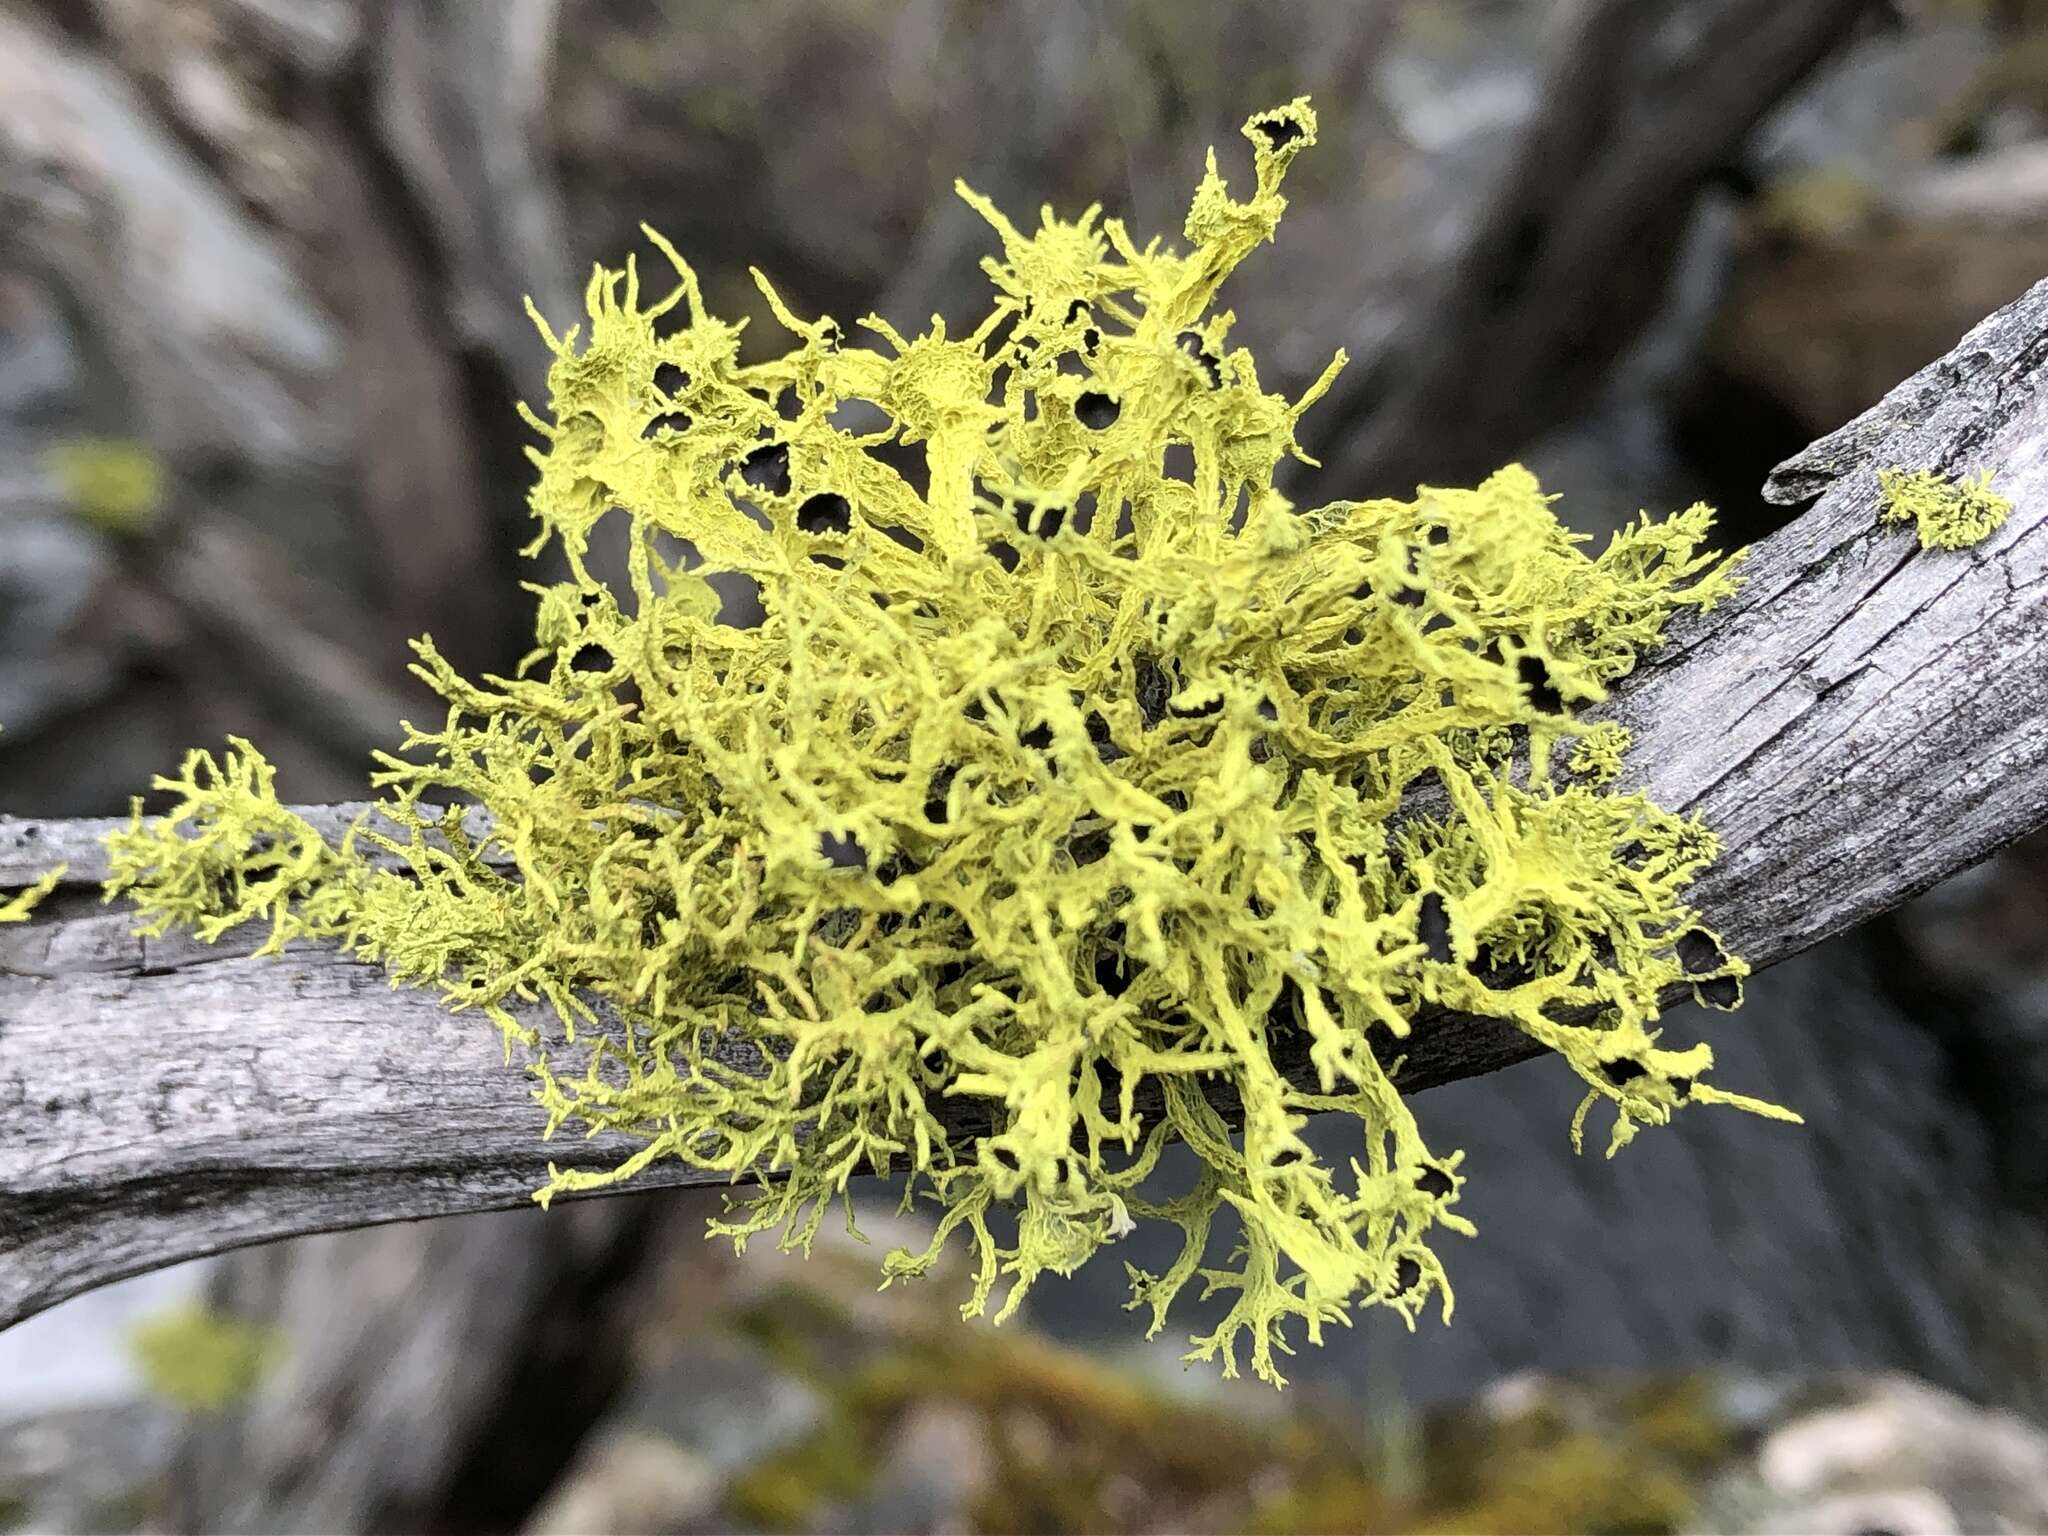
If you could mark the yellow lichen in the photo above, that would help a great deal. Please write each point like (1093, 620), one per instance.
(1581, 1483)
(201, 1360)
(1949, 514)
(1598, 754)
(16, 908)
(114, 485)
(1072, 772)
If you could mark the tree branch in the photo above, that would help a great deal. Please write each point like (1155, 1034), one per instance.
(1862, 721)
(1572, 252)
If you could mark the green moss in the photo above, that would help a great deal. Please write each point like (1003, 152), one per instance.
(1678, 1419)
(116, 486)
(801, 1329)
(1331, 1497)
(1575, 1457)
(783, 1491)
(1582, 1484)
(1949, 514)
(1071, 1444)
(1054, 777)
(201, 1360)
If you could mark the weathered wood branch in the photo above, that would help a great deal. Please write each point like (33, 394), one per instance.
(1865, 719)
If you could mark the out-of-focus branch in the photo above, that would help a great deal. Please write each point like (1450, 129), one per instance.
(1570, 256)
(224, 591)
(331, 342)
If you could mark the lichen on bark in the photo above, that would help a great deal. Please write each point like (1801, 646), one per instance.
(1946, 513)
(1067, 774)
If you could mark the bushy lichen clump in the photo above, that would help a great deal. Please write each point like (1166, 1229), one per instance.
(1948, 514)
(1073, 776)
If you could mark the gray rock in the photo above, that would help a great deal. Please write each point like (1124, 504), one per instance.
(629, 1480)
(724, 1399)
(1888, 1454)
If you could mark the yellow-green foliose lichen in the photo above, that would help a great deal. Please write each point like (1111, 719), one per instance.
(202, 1360)
(1949, 514)
(1073, 779)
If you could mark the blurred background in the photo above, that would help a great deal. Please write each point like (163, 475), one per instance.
(261, 264)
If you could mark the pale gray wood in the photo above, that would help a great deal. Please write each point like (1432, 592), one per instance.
(1865, 719)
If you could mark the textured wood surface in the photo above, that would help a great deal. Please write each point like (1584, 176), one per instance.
(1865, 719)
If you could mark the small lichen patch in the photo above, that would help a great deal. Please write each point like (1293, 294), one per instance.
(201, 1360)
(1949, 514)
(16, 908)
(1048, 800)
(116, 486)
